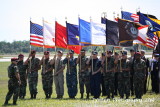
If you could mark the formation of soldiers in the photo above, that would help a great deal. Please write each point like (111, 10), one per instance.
(109, 74)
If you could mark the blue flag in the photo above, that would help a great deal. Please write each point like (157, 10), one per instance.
(85, 31)
(103, 20)
(73, 34)
(153, 26)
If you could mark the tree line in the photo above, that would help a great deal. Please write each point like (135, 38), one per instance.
(16, 47)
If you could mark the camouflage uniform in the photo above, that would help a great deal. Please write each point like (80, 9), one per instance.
(131, 59)
(33, 76)
(95, 79)
(13, 85)
(138, 77)
(84, 77)
(124, 78)
(23, 76)
(47, 78)
(109, 78)
(71, 77)
(59, 79)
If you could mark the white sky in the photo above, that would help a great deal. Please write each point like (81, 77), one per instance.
(15, 14)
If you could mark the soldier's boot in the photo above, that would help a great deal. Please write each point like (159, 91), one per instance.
(108, 97)
(87, 96)
(34, 95)
(46, 96)
(6, 102)
(112, 95)
(127, 96)
(49, 95)
(81, 95)
(121, 97)
(31, 96)
(14, 102)
(58, 96)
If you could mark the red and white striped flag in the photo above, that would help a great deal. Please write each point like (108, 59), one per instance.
(152, 43)
(36, 34)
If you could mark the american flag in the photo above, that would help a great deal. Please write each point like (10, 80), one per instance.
(130, 16)
(36, 35)
(152, 42)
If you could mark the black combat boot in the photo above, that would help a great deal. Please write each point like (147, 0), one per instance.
(46, 96)
(31, 96)
(34, 96)
(14, 102)
(49, 95)
(112, 95)
(87, 96)
(81, 95)
(6, 102)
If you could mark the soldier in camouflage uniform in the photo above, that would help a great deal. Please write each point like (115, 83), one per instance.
(108, 69)
(47, 74)
(14, 82)
(131, 59)
(58, 74)
(71, 74)
(95, 74)
(83, 74)
(33, 67)
(23, 76)
(139, 67)
(123, 75)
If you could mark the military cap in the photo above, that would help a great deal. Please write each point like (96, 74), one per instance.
(71, 51)
(132, 50)
(59, 51)
(33, 51)
(94, 52)
(83, 50)
(137, 53)
(20, 55)
(14, 59)
(103, 54)
(109, 52)
(156, 55)
(46, 52)
(124, 52)
(116, 53)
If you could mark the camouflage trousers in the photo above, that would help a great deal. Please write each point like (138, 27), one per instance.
(71, 79)
(123, 85)
(33, 81)
(138, 81)
(22, 88)
(84, 80)
(47, 82)
(109, 80)
(13, 89)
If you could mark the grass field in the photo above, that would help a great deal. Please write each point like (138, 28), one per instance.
(149, 100)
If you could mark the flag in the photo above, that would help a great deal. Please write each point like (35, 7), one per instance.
(127, 30)
(130, 16)
(85, 31)
(61, 36)
(49, 34)
(152, 40)
(72, 34)
(36, 34)
(103, 20)
(98, 34)
(142, 35)
(153, 26)
(157, 21)
(148, 15)
(112, 33)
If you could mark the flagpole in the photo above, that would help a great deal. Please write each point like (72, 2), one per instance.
(30, 49)
(91, 43)
(55, 49)
(43, 49)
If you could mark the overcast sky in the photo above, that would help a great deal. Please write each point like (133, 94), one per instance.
(16, 14)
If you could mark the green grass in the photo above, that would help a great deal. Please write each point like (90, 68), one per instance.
(150, 99)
